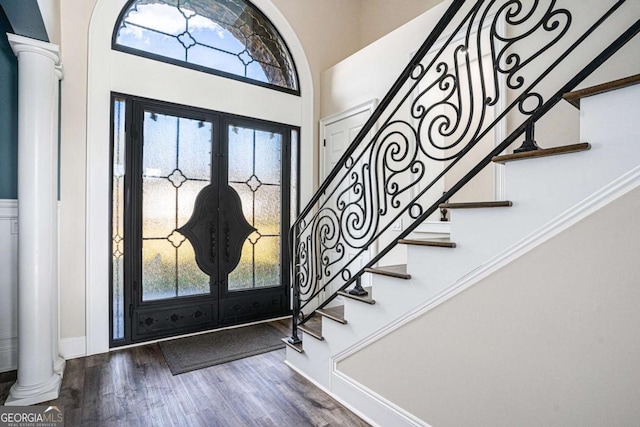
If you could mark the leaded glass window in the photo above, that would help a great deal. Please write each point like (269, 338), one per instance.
(255, 170)
(226, 37)
(176, 166)
(117, 226)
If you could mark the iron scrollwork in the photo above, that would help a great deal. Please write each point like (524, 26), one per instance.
(445, 102)
(212, 207)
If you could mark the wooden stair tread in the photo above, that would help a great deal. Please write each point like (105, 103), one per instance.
(313, 327)
(297, 347)
(398, 271)
(475, 205)
(366, 299)
(334, 313)
(544, 152)
(574, 97)
(439, 242)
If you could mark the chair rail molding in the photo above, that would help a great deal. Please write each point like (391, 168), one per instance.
(8, 209)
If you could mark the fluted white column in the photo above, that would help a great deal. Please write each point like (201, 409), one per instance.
(38, 76)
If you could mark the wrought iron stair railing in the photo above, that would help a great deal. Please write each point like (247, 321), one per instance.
(488, 65)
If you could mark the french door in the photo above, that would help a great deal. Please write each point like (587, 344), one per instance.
(206, 204)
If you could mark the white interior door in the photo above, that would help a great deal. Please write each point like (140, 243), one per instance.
(336, 134)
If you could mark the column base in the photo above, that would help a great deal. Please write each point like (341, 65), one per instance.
(58, 366)
(30, 395)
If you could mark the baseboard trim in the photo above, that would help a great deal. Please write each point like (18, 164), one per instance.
(8, 208)
(383, 411)
(333, 396)
(570, 217)
(73, 348)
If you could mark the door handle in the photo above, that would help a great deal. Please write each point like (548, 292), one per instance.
(212, 247)
(215, 207)
(235, 226)
(227, 241)
(202, 230)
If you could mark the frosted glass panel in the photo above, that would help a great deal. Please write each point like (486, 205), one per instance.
(267, 209)
(187, 198)
(191, 280)
(160, 135)
(158, 219)
(246, 198)
(240, 154)
(268, 157)
(242, 277)
(117, 217)
(158, 270)
(195, 149)
(177, 165)
(255, 165)
(267, 261)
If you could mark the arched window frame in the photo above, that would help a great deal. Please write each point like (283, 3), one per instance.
(201, 68)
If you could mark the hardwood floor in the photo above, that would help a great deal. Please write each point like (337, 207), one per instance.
(134, 387)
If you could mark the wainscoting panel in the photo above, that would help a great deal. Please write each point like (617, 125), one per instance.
(8, 285)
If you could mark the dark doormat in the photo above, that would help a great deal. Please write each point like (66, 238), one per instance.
(201, 351)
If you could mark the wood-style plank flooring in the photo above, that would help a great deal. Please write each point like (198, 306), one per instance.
(134, 387)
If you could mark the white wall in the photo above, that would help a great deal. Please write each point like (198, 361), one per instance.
(8, 285)
(328, 33)
(549, 340)
(50, 11)
(380, 17)
(371, 71)
(75, 16)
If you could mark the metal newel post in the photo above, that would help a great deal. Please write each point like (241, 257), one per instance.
(529, 143)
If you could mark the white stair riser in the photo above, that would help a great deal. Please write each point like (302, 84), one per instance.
(314, 362)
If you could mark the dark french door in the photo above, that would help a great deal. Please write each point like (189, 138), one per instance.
(206, 206)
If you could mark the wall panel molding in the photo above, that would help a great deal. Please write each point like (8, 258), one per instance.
(8, 209)
(8, 285)
(8, 354)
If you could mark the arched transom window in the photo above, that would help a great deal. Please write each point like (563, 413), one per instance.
(226, 37)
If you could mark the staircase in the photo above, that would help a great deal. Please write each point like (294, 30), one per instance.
(544, 190)
(435, 115)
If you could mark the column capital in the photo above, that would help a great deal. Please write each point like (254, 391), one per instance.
(25, 44)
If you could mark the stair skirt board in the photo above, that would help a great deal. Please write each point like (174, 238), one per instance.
(384, 412)
(571, 216)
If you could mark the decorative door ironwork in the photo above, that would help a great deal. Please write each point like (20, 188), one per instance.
(198, 235)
